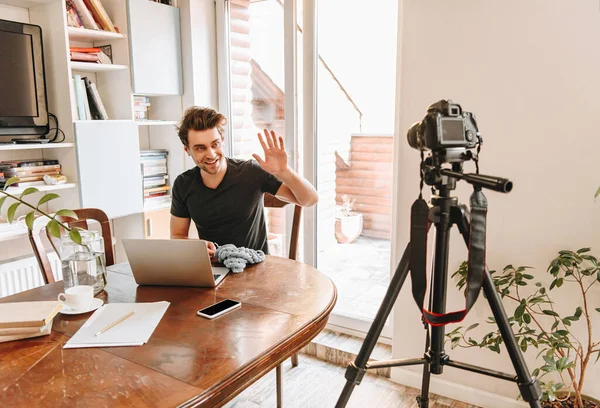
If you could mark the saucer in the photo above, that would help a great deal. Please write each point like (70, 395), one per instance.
(96, 303)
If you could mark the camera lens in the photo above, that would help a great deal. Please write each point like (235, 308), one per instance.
(413, 136)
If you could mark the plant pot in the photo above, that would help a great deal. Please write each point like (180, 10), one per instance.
(348, 227)
(588, 402)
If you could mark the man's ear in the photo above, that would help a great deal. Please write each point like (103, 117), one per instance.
(187, 150)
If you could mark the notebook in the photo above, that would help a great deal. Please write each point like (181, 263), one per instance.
(133, 331)
(28, 314)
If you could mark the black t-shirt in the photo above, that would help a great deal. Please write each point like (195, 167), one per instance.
(233, 213)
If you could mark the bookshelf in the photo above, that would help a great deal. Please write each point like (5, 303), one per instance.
(36, 146)
(92, 67)
(86, 35)
(101, 158)
(45, 188)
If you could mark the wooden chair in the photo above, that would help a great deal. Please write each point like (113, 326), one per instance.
(273, 202)
(83, 214)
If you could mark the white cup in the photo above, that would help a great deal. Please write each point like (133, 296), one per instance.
(77, 297)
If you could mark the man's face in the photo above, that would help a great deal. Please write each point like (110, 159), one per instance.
(206, 148)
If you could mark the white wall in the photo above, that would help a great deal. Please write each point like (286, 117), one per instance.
(530, 72)
(14, 13)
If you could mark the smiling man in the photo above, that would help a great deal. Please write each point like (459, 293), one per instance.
(224, 196)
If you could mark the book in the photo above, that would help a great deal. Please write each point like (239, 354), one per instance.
(73, 19)
(86, 104)
(79, 95)
(84, 57)
(96, 114)
(99, 102)
(39, 331)
(28, 314)
(86, 16)
(100, 15)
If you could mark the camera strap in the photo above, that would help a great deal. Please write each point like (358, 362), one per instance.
(475, 266)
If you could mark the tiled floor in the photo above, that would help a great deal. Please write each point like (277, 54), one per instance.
(361, 273)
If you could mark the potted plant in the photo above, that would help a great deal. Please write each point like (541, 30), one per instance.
(348, 223)
(81, 251)
(564, 356)
(53, 225)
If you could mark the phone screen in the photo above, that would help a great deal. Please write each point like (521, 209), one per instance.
(218, 307)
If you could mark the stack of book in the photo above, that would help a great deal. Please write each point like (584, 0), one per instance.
(23, 320)
(155, 178)
(95, 55)
(88, 14)
(30, 172)
(141, 106)
(87, 100)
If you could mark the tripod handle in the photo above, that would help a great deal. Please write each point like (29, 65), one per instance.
(499, 184)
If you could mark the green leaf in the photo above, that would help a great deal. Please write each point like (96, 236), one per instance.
(2, 200)
(559, 282)
(584, 250)
(538, 284)
(471, 327)
(550, 313)
(29, 190)
(10, 214)
(527, 276)
(76, 236)
(46, 198)
(29, 219)
(526, 318)
(561, 332)
(553, 284)
(597, 193)
(67, 213)
(598, 309)
(10, 182)
(519, 311)
(53, 228)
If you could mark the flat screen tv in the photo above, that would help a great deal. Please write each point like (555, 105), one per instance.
(23, 101)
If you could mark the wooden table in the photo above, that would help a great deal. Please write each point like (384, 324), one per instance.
(189, 360)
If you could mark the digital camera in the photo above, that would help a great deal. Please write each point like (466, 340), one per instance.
(445, 126)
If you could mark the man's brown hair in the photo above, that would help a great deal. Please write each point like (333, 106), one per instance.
(200, 118)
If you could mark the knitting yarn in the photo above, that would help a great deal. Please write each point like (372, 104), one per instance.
(236, 259)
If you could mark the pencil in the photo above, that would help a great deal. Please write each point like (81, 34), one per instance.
(113, 324)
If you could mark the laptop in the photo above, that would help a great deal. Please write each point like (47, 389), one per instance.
(172, 262)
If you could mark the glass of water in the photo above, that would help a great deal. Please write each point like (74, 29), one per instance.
(84, 264)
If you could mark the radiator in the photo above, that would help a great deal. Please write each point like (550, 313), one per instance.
(23, 274)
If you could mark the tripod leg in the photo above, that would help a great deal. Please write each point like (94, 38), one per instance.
(356, 370)
(529, 387)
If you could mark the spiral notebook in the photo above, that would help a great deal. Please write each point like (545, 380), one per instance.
(134, 330)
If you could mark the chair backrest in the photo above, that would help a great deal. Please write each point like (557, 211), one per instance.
(273, 202)
(83, 215)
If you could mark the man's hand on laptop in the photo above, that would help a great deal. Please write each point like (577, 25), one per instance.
(212, 249)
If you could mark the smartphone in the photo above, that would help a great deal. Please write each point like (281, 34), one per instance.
(218, 309)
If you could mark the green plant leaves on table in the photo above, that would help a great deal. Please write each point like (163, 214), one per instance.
(46, 198)
(10, 214)
(29, 190)
(29, 218)
(53, 228)
(10, 182)
(75, 236)
(67, 213)
(2, 200)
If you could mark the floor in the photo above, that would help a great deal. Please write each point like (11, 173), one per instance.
(316, 383)
(361, 273)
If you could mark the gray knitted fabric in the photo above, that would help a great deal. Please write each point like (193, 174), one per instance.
(236, 258)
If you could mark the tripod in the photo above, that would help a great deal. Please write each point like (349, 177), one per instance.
(446, 211)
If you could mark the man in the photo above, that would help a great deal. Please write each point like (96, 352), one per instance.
(224, 196)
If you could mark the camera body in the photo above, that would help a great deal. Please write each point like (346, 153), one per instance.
(445, 126)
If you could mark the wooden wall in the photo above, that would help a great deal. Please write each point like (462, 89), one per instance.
(367, 179)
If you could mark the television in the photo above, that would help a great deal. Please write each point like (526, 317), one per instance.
(23, 100)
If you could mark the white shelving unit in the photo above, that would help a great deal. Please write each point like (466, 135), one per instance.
(45, 188)
(86, 35)
(91, 67)
(36, 146)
